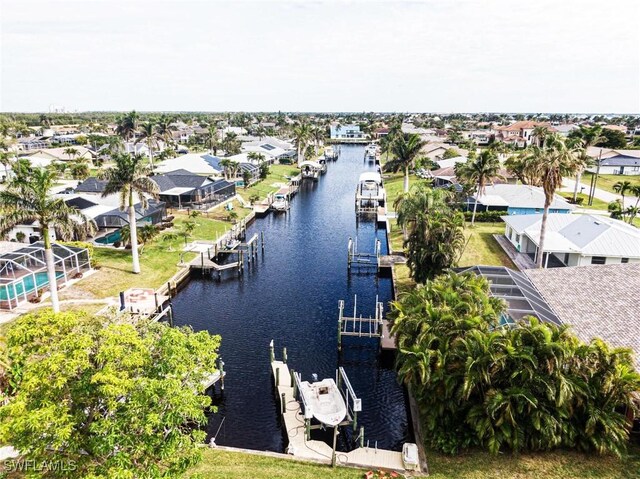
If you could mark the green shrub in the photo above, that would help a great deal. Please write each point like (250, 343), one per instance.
(485, 216)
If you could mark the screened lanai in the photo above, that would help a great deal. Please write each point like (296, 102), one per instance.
(23, 272)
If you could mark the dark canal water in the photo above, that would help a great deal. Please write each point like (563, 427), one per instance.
(291, 295)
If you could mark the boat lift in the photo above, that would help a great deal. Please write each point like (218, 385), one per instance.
(362, 259)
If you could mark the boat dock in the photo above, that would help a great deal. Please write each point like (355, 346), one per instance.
(365, 327)
(297, 429)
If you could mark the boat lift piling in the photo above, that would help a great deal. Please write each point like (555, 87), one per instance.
(364, 259)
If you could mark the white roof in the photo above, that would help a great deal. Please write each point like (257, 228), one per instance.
(451, 161)
(177, 191)
(370, 176)
(192, 162)
(588, 235)
(493, 200)
(522, 196)
(312, 164)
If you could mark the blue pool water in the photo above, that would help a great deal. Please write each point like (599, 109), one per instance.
(291, 296)
(110, 238)
(17, 290)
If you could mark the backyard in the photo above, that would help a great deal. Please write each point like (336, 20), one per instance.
(159, 261)
(218, 464)
(606, 182)
(277, 175)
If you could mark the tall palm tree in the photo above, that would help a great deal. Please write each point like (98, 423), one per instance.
(479, 171)
(301, 135)
(318, 133)
(539, 133)
(588, 136)
(127, 125)
(27, 198)
(164, 128)
(130, 178)
(149, 135)
(5, 161)
(212, 138)
(622, 188)
(550, 164)
(405, 149)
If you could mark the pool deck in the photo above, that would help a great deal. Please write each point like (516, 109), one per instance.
(299, 447)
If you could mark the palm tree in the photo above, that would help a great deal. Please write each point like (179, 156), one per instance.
(149, 135)
(130, 178)
(80, 170)
(405, 148)
(540, 133)
(27, 199)
(229, 168)
(127, 125)
(71, 152)
(550, 164)
(589, 136)
(212, 138)
(318, 133)
(5, 160)
(483, 169)
(622, 188)
(164, 128)
(301, 136)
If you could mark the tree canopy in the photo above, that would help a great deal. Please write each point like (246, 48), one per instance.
(107, 397)
(532, 386)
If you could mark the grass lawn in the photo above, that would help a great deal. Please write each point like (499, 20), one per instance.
(158, 262)
(277, 174)
(394, 186)
(606, 182)
(597, 204)
(469, 465)
(482, 247)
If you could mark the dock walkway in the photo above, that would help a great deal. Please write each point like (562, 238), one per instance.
(300, 447)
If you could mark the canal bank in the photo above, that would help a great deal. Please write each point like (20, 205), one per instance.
(291, 295)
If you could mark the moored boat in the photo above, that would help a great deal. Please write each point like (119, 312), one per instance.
(325, 401)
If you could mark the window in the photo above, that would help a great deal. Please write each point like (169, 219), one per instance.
(624, 260)
(598, 260)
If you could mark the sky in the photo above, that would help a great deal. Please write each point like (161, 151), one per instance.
(308, 55)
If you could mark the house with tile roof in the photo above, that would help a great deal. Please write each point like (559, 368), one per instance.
(519, 133)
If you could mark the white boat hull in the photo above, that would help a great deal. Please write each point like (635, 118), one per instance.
(325, 401)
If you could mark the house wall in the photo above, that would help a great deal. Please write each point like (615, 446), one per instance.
(615, 170)
(586, 260)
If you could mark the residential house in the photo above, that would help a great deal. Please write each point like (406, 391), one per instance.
(196, 163)
(60, 154)
(181, 188)
(479, 137)
(574, 239)
(519, 133)
(517, 200)
(615, 162)
(349, 132)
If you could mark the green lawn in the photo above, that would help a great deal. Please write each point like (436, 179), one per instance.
(606, 182)
(158, 261)
(394, 186)
(482, 247)
(470, 465)
(597, 204)
(277, 174)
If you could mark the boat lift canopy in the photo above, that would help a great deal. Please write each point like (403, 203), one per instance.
(311, 164)
(370, 176)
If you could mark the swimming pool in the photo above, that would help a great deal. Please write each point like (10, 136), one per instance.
(19, 288)
(110, 238)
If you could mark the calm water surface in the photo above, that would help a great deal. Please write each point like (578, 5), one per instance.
(291, 296)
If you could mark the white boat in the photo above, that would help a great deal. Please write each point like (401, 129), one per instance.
(324, 400)
(371, 152)
(410, 457)
(330, 153)
(280, 201)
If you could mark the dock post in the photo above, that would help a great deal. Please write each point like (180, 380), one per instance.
(307, 429)
(349, 253)
(283, 400)
(202, 260)
(262, 240)
(293, 384)
(277, 377)
(340, 308)
(169, 289)
(272, 355)
(335, 438)
(361, 436)
(355, 420)
(222, 375)
(284, 355)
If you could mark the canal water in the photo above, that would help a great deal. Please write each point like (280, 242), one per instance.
(291, 296)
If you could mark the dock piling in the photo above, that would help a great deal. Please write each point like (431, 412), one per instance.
(272, 354)
(361, 436)
(284, 402)
(284, 355)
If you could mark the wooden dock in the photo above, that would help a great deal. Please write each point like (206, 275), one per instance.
(319, 451)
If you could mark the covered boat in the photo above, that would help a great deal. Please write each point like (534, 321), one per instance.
(324, 400)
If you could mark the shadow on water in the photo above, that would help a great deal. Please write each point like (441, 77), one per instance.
(291, 295)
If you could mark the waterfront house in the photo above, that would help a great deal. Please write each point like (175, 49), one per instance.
(615, 162)
(60, 154)
(349, 132)
(516, 200)
(574, 239)
(181, 188)
(196, 163)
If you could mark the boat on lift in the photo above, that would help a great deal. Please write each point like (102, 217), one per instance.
(325, 401)
(371, 152)
(330, 153)
(280, 202)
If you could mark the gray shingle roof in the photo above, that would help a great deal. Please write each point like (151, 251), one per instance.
(598, 301)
